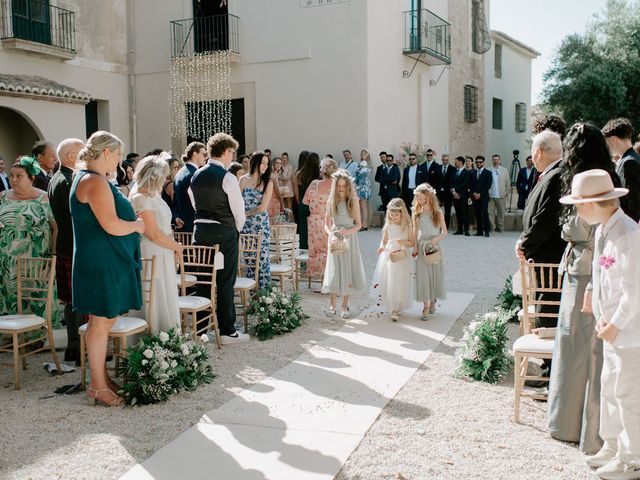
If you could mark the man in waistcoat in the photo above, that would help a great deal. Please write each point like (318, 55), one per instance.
(219, 216)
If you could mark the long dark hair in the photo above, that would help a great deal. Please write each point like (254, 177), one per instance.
(584, 149)
(254, 166)
(304, 154)
(310, 170)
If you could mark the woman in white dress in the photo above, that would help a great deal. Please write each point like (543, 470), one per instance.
(392, 279)
(157, 241)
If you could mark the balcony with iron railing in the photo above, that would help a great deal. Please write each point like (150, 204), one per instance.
(427, 37)
(205, 34)
(36, 27)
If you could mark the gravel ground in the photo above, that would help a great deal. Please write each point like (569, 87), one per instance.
(454, 428)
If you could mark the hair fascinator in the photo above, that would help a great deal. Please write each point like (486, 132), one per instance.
(31, 165)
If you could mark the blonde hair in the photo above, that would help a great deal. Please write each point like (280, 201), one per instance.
(151, 173)
(431, 203)
(405, 221)
(333, 201)
(97, 143)
(368, 159)
(328, 167)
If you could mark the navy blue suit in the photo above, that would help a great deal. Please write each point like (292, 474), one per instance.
(389, 180)
(525, 185)
(184, 208)
(481, 182)
(461, 183)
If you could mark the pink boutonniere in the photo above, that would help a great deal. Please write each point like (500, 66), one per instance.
(606, 261)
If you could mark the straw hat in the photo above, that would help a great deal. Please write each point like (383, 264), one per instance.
(592, 186)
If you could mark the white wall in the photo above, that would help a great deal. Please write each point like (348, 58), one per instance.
(513, 87)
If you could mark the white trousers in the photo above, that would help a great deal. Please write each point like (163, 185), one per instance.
(620, 402)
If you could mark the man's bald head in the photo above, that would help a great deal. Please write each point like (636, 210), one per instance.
(68, 150)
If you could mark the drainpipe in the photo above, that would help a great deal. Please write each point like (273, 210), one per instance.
(133, 120)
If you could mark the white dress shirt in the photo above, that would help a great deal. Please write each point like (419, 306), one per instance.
(494, 192)
(616, 278)
(231, 187)
(413, 169)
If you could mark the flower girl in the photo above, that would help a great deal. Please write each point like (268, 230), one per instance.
(429, 229)
(343, 273)
(393, 274)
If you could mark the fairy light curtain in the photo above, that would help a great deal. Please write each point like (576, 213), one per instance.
(200, 95)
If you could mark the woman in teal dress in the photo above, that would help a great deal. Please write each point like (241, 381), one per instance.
(28, 229)
(106, 256)
(257, 190)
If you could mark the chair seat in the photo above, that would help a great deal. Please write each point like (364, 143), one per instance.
(188, 279)
(533, 344)
(20, 322)
(193, 303)
(302, 257)
(122, 325)
(244, 283)
(280, 268)
(531, 308)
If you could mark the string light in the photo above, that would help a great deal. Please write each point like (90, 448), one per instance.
(200, 95)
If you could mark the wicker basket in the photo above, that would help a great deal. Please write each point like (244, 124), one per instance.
(338, 246)
(430, 254)
(398, 255)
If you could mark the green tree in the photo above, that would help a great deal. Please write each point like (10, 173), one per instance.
(595, 76)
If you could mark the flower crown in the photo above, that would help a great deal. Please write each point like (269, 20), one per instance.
(342, 173)
(30, 164)
(425, 187)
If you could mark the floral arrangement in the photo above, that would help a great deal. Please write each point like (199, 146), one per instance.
(483, 355)
(161, 365)
(276, 312)
(408, 148)
(508, 301)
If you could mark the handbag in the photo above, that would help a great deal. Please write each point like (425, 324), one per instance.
(430, 253)
(397, 255)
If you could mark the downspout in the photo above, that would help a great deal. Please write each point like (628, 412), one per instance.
(133, 120)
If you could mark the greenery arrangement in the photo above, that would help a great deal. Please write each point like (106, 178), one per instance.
(160, 365)
(483, 355)
(407, 148)
(509, 302)
(602, 63)
(276, 312)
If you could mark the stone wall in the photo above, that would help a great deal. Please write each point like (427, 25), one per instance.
(467, 68)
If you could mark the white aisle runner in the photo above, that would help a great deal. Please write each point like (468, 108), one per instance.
(305, 420)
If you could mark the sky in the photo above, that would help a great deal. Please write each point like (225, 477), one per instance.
(542, 24)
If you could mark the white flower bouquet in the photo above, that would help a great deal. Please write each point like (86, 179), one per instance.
(276, 312)
(161, 365)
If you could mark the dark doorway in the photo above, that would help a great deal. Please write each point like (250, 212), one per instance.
(91, 117)
(31, 20)
(196, 112)
(210, 25)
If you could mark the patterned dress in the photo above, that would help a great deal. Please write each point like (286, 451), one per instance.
(258, 224)
(363, 182)
(284, 182)
(24, 231)
(317, 238)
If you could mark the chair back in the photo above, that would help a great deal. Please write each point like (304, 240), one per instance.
(199, 261)
(283, 245)
(146, 279)
(185, 238)
(249, 254)
(537, 279)
(36, 279)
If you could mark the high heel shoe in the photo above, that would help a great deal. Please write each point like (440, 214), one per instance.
(116, 400)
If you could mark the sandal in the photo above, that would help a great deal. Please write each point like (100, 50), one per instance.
(424, 315)
(113, 386)
(116, 400)
(344, 314)
(394, 317)
(330, 312)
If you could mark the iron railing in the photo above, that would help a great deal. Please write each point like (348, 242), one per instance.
(427, 32)
(204, 34)
(38, 21)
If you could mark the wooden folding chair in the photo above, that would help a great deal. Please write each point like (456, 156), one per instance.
(198, 261)
(186, 239)
(283, 248)
(301, 273)
(537, 278)
(125, 326)
(248, 261)
(36, 280)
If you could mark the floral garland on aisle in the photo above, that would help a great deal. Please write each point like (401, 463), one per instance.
(483, 354)
(276, 312)
(160, 365)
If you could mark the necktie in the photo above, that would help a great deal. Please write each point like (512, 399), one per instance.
(478, 175)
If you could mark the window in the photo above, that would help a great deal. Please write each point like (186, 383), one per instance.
(521, 117)
(470, 104)
(497, 65)
(497, 114)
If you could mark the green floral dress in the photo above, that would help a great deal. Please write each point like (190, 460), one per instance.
(24, 230)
